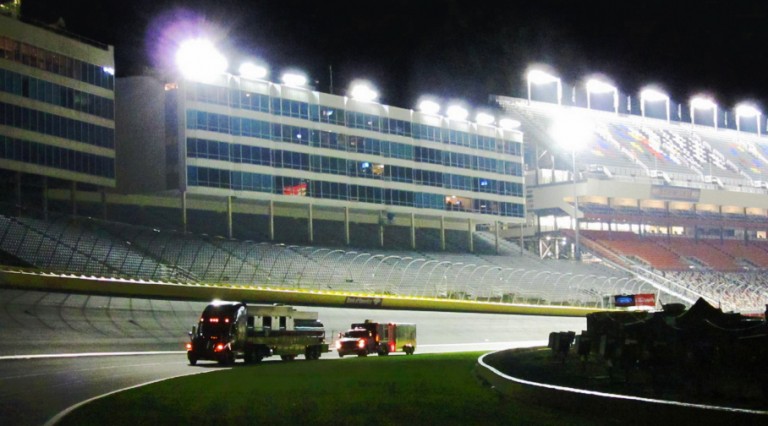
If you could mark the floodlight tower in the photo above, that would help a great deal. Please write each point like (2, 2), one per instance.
(748, 111)
(600, 87)
(294, 79)
(572, 132)
(363, 91)
(703, 103)
(653, 95)
(539, 77)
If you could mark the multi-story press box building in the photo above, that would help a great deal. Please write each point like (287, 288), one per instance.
(56, 112)
(274, 159)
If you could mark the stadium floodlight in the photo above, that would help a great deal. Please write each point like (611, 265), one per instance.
(485, 118)
(703, 103)
(653, 95)
(539, 77)
(199, 60)
(295, 79)
(430, 107)
(598, 86)
(253, 71)
(363, 91)
(457, 112)
(747, 111)
(509, 124)
(573, 132)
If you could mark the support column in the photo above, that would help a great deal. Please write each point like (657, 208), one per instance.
(184, 211)
(522, 240)
(17, 190)
(346, 226)
(381, 228)
(496, 231)
(470, 241)
(310, 224)
(722, 229)
(413, 231)
(103, 204)
(73, 198)
(442, 233)
(45, 198)
(271, 221)
(229, 216)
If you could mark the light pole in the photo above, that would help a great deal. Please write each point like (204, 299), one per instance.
(601, 87)
(572, 132)
(748, 111)
(653, 95)
(703, 103)
(539, 77)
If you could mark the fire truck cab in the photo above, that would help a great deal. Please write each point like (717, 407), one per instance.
(381, 338)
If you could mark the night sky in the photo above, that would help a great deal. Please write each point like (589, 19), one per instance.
(458, 49)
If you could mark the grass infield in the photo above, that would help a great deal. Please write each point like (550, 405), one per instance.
(395, 390)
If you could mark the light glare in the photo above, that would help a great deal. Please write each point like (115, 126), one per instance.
(484, 118)
(597, 86)
(509, 124)
(746, 110)
(294, 79)
(703, 103)
(571, 131)
(456, 112)
(198, 59)
(653, 95)
(364, 92)
(541, 77)
(429, 107)
(253, 71)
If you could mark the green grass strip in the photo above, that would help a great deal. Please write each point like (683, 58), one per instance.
(396, 390)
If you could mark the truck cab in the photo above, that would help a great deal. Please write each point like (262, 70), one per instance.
(357, 341)
(381, 338)
(220, 334)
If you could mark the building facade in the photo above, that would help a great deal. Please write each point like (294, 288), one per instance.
(56, 111)
(253, 141)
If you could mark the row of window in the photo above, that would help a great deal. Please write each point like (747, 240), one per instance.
(202, 148)
(244, 181)
(338, 116)
(303, 136)
(59, 158)
(56, 63)
(44, 91)
(54, 125)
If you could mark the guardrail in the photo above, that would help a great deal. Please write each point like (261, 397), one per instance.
(40, 281)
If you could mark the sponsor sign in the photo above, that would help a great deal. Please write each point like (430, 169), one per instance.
(645, 299)
(624, 300)
(678, 193)
(374, 302)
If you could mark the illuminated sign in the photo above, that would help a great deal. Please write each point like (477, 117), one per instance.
(300, 189)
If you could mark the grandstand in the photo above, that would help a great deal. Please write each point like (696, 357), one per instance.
(686, 205)
(253, 182)
(96, 247)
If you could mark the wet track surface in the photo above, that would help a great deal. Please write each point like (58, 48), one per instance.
(35, 389)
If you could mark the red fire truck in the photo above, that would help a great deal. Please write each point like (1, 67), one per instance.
(381, 338)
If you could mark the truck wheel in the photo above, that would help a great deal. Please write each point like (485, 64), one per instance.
(287, 357)
(227, 358)
(383, 352)
(192, 359)
(362, 354)
(251, 357)
(312, 354)
(341, 355)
